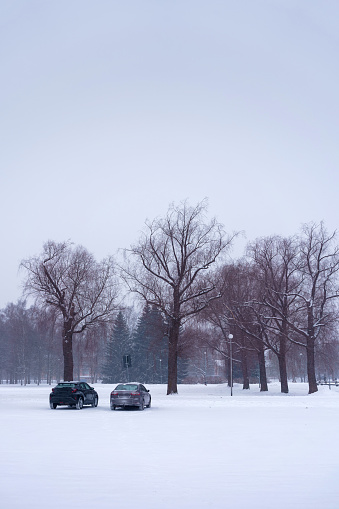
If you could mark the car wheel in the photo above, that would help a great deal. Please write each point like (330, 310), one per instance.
(112, 406)
(79, 404)
(149, 404)
(95, 402)
(142, 405)
(53, 406)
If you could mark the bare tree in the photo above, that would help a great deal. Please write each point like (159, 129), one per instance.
(300, 277)
(276, 261)
(48, 326)
(21, 348)
(166, 268)
(232, 314)
(319, 266)
(83, 291)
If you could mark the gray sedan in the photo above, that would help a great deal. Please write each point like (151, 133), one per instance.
(130, 394)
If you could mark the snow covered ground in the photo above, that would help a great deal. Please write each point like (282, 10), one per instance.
(198, 449)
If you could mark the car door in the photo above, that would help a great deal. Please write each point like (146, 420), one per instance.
(85, 388)
(145, 394)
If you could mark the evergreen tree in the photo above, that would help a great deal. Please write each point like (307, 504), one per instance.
(119, 344)
(140, 347)
(183, 363)
(183, 358)
(150, 347)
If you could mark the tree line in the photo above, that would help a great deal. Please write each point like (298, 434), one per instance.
(277, 304)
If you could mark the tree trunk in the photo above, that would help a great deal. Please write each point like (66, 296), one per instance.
(68, 355)
(244, 369)
(312, 381)
(283, 372)
(262, 369)
(172, 387)
(282, 362)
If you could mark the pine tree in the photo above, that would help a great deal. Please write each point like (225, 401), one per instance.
(183, 364)
(158, 347)
(150, 347)
(119, 344)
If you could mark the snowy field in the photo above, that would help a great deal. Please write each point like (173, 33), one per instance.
(199, 449)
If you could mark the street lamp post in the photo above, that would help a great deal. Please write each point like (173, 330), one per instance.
(230, 337)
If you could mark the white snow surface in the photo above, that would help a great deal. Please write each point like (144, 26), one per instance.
(199, 449)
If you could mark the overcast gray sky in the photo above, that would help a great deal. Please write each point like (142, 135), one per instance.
(111, 110)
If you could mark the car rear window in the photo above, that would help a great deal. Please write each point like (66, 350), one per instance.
(126, 387)
(61, 385)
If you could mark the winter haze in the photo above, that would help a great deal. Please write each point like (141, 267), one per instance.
(112, 110)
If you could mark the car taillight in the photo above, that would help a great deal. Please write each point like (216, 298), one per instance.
(74, 390)
(114, 393)
(52, 390)
(135, 393)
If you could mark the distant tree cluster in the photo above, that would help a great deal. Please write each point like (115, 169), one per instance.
(205, 318)
(28, 349)
(31, 350)
(280, 302)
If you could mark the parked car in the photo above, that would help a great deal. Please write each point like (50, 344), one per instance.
(73, 394)
(129, 395)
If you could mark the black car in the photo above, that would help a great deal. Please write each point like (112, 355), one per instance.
(73, 394)
(130, 394)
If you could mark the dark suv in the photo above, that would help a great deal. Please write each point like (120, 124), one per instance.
(73, 394)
